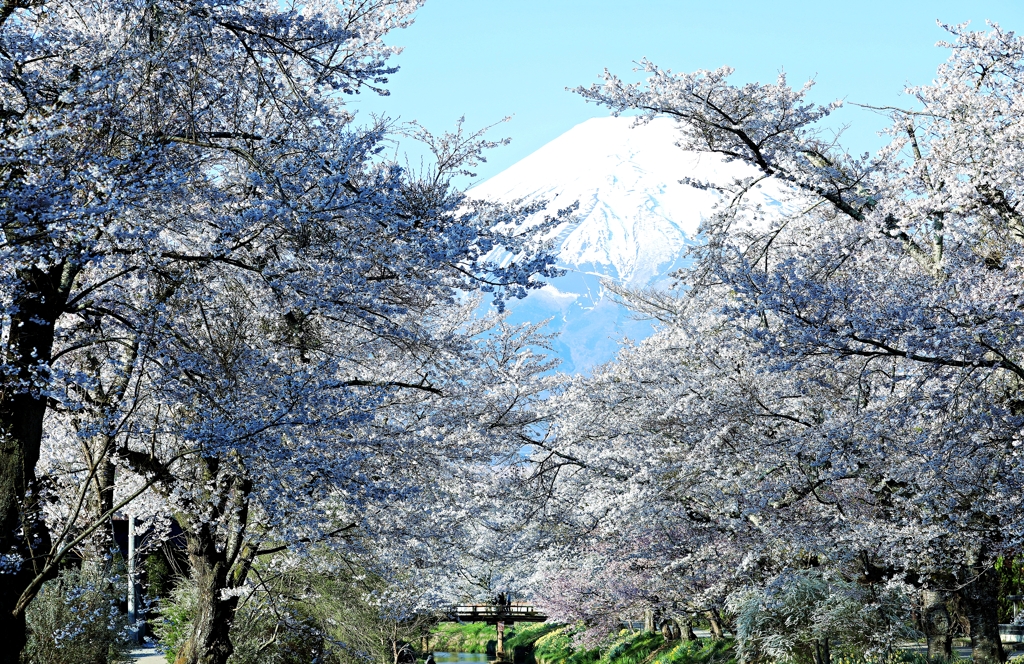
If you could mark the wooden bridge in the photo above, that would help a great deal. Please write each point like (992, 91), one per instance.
(498, 615)
(492, 614)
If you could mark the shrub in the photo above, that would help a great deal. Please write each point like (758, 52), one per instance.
(801, 608)
(75, 619)
(176, 612)
(269, 632)
(260, 634)
(159, 575)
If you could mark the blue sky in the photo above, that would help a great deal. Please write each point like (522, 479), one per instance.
(486, 59)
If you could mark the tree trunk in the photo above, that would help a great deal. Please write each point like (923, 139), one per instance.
(210, 641)
(715, 620)
(98, 452)
(217, 568)
(979, 599)
(97, 549)
(15, 636)
(687, 629)
(649, 621)
(937, 625)
(822, 652)
(23, 534)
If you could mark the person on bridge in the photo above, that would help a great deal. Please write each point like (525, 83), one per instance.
(430, 659)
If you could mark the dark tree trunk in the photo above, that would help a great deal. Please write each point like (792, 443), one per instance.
(688, 633)
(822, 652)
(210, 641)
(15, 637)
(28, 349)
(936, 624)
(979, 598)
(217, 568)
(715, 620)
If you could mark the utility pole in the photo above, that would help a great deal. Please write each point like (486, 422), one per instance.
(133, 582)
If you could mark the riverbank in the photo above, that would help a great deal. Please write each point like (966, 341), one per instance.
(463, 637)
(547, 643)
(556, 645)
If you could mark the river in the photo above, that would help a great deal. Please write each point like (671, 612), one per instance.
(462, 658)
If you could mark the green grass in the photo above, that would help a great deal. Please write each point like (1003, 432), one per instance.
(631, 648)
(528, 635)
(462, 637)
(699, 652)
(555, 644)
(557, 647)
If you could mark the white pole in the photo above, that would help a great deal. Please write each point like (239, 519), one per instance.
(133, 588)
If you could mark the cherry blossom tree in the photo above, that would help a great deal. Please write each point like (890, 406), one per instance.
(212, 280)
(674, 464)
(851, 366)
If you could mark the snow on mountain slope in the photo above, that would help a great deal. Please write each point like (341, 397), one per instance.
(634, 223)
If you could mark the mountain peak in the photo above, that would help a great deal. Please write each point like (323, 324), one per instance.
(634, 223)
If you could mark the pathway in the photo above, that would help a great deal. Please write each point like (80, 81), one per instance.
(147, 655)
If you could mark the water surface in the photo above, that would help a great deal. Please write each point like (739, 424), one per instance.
(462, 657)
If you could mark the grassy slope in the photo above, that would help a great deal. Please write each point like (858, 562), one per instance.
(698, 652)
(528, 634)
(553, 644)
(462, 637)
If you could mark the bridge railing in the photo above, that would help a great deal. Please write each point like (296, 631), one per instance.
(492, 609)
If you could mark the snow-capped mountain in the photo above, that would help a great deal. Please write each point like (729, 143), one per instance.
(634, 223)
